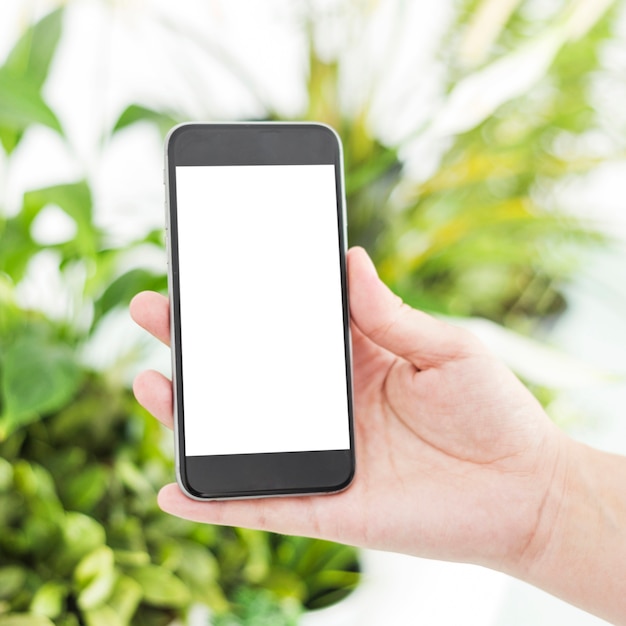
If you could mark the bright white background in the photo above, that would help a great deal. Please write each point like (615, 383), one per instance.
(115, 53)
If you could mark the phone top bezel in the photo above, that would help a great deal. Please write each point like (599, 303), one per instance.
(255, 143)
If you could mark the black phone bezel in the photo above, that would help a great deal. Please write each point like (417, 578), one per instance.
(264, 474)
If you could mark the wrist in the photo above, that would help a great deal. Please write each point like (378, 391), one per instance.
(546, 521)
(578, 548)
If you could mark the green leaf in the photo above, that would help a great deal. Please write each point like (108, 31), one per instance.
(81, 535)
(6, 479)
(133, 478)
(49, 599)
(18, 246)
(156, 236)
(324, 584)
(83, 490)
(102, 616)
(259, 555)
(137, 113)
(38, 376)
(322, 555)
(12, 580)
(199, 569)
(69, 619)
(33, 53)
(125, 598)
(17, 249)
(99, 560)
(284, 582)
(33, 481)
(24, 619)
(39, 535)
(161, 587)
(121, 291)
(10, 313)
(131, 558)
(21, 104)
(74, 199)
(95, 577)
(29, 62)
(9, 138)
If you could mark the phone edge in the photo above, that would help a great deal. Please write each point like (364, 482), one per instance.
(343, 250)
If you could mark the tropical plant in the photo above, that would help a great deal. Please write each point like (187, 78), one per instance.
(82, 540)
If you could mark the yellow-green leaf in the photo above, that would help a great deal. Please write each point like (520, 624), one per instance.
(95, 577)
(49, 599)
(24, 619)
(161, 587)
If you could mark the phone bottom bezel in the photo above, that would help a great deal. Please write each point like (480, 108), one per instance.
(219, 477)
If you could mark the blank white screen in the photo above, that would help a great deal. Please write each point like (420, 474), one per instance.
(262, 331)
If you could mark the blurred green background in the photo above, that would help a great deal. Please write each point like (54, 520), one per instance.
(463, 135)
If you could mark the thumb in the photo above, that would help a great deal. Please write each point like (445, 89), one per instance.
(387, 321)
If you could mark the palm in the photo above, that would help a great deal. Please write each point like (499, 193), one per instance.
(434, 454)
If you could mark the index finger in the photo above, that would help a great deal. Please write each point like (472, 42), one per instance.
(151, 311)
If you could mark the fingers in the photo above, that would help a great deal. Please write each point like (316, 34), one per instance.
(154, 392)
(151, 311)
(309, 516)
(395, 326)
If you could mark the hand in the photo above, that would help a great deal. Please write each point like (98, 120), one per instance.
(455, 458)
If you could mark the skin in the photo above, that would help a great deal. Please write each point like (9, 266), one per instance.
(456, 460)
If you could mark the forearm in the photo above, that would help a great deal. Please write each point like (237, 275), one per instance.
(579, 551)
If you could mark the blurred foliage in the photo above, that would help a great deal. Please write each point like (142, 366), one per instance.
(82, 540)
(479, 236)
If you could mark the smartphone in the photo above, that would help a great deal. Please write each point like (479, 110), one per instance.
(261, 366)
